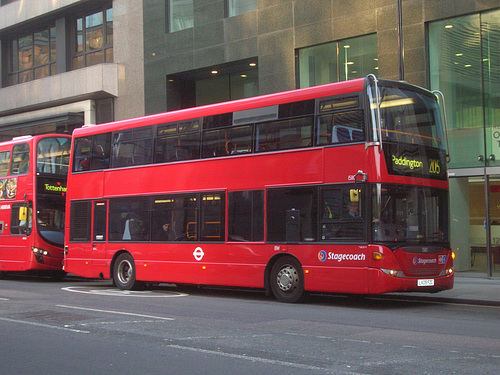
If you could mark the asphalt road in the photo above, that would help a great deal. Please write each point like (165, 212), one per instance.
(89, 327)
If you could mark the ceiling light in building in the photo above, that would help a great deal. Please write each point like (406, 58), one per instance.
(243, 76)
(467, 66)
(347, 46)
(253, 64)
(214, 72)
(350, 63)
(459, 54)
(448, 27)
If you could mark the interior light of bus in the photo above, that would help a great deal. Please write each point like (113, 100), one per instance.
(377, 255)
(395, 103)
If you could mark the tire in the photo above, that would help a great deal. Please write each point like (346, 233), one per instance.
(124, 273)
(287, 280)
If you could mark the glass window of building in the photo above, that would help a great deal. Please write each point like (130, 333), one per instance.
(464, 65)
(227, 87)
(236, 7)
(180, 15)
(338, 61)
(32, 56)
(93, 39)
(231, 81)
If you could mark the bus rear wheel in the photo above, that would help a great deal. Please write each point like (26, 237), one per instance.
(287, 280)
(124, 273)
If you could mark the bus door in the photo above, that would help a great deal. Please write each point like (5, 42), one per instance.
(99, 233)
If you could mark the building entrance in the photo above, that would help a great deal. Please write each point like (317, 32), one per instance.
(475, 224)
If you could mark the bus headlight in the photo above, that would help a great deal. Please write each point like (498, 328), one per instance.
(394, 273)
(39, 254)
(449, 271)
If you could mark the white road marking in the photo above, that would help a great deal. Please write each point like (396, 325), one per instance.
(261, 360)
(115, 312)
(43, 325)
(123, 293)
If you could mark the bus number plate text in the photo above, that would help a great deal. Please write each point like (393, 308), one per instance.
(425, 282)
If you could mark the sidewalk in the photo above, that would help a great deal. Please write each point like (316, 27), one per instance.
(467, 289)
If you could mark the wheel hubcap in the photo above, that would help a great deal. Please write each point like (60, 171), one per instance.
(287, 279)
(124, 272)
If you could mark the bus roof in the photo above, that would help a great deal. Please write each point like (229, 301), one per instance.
(314, 92)
(28, 138)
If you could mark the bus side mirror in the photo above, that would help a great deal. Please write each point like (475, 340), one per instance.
(354, 195)
(23, 213)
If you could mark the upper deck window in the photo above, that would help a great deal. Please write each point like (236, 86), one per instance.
(53, 155)
(20, 159)
(410, 117)
(4, 163)
(133, 147)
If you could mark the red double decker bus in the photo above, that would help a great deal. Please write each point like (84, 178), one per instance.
(336, 188)
(33, 173)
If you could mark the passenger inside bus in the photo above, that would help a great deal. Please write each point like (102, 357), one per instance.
(167, 233)
(134, 228)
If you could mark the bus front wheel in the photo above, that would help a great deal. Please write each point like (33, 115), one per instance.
(124, 273)
(287, 280)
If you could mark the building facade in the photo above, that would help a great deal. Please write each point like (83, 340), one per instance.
(64, 62)
(67, 63)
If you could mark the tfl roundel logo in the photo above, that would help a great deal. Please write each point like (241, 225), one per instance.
(322, 255)
(415, 261)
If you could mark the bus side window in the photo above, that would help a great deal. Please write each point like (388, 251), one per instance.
(20, 159)
(343, 127)
(81, 159)
(21, 220)
(342, 213)
(246, 215)
(101, 149)
(4, 163)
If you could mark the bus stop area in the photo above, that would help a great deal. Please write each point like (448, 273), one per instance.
(467, 289)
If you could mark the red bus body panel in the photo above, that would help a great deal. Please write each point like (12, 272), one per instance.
(339, 268)
(16, 253)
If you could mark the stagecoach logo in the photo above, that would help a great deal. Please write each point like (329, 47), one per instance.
(323, 255)
(198, 254)
(417, 261)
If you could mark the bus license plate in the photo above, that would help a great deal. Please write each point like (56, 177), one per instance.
(425, 282)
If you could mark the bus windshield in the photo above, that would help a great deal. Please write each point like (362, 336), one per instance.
(50, 219)
(53, 155)
(410, 117)
(409, 214)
